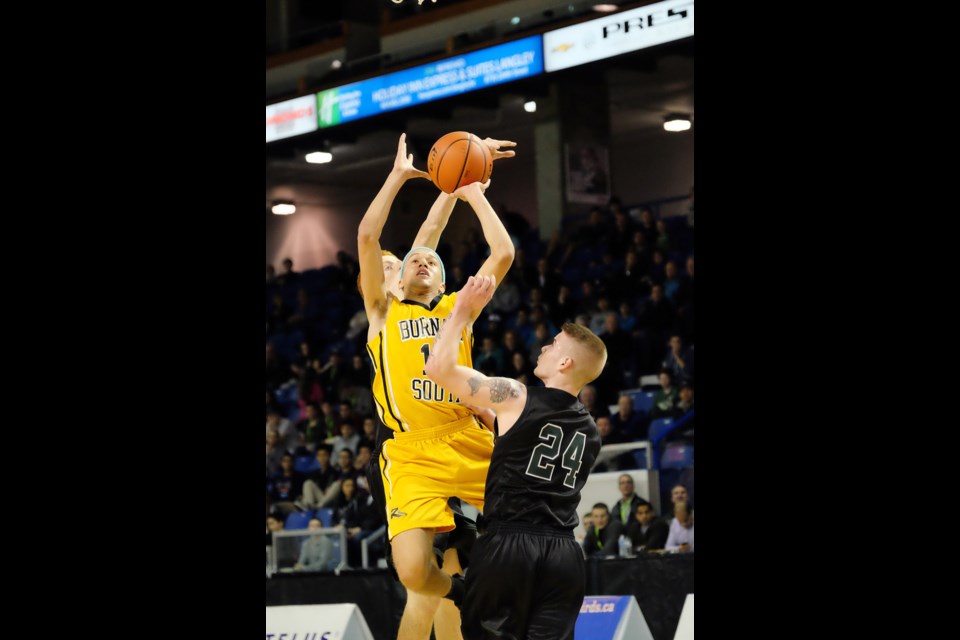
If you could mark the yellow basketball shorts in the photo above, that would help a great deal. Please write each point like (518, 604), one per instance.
(422, 469)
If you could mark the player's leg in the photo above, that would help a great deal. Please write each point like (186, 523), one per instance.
(413, 558)
(418, 616)
(447, 619)
(560, 591)
(498, 586)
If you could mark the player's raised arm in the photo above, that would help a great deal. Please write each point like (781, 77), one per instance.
(501, 246)
(504, 396)
(436, 222)
(371, 226)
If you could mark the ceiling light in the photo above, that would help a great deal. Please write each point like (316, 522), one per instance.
(676, 122)
(604, 8)
(319, 157)
(515, 20)
(283, 207)
(530, 107)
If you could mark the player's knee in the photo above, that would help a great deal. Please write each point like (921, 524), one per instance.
(413, 570)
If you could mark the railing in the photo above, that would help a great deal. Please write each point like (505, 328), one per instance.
(334, 532)
(365, 543)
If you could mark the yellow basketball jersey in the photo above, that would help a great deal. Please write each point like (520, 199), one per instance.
(406, 398)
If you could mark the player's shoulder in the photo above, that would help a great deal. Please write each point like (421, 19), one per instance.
(444, 303)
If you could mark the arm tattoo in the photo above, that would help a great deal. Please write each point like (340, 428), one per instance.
(474, 383)
(500, 388)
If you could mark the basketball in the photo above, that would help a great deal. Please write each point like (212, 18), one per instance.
(457, 159)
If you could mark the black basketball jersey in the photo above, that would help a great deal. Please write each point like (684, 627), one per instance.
(540, 465)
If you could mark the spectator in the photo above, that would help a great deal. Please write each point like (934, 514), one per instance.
(628, 319)
(680, 539)
(627, 422)
(355, 512)
(665, 399)
(671, 282)
(509, 345)
(619, 347)
(368, 435)
(679, 360)
(344, 466)
(275, 452)
(322, 486)
(331, 376)
(274, 523)
(625, 507)
(348, 439)
(629, 281)
(347, 415)
(602, 538)
(544, 279)
(588, 396)
(663, 239)
(656, 273)
(287, 276)
(646, 531)
(313, 428)
(360, 463)
(506, 299)
(316, 554)
(678, 493)
(490, 357)
(647, 227)
(289, 436)
(285, 487)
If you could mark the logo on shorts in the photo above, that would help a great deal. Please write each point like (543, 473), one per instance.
(396, 513)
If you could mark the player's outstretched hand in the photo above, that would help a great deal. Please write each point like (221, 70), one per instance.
(494, 147)
(403, 164)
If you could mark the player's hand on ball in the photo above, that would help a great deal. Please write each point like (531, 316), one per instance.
(464, 192)
(403, 164)
(494, 147)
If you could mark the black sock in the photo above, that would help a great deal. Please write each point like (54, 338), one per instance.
(457, 590)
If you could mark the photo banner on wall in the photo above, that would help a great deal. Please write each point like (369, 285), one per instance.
(588, 173)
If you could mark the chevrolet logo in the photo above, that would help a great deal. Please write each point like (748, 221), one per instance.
(561, 48)
(396, 513)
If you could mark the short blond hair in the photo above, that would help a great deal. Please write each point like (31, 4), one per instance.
(592, 346)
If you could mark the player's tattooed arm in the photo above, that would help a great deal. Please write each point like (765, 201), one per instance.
(500, 388)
